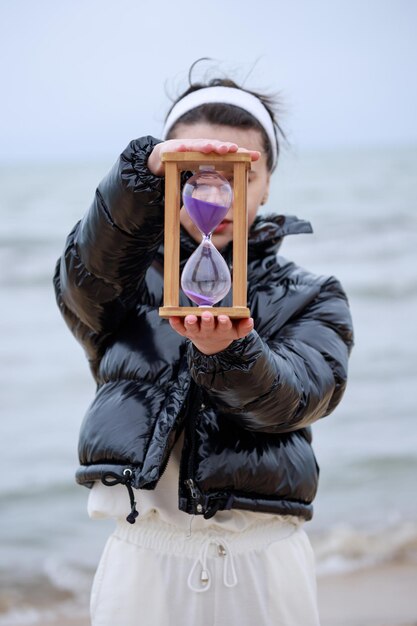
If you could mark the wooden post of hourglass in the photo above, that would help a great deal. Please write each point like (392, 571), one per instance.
(238, 164)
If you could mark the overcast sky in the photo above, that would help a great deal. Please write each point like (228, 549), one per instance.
(80, 78)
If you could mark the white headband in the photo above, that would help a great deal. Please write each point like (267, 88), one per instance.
(224, 95)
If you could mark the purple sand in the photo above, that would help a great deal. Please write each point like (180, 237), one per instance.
(198, 298)
(205, 215)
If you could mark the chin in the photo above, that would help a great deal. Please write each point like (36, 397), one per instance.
(220, 241)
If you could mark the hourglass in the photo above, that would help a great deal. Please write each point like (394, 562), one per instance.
(207, 197)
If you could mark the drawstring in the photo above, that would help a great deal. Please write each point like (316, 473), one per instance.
(131, 518)
(109, 479)
(205, 577)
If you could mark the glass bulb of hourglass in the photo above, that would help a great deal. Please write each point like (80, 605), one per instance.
(207, 198)
(206, 277)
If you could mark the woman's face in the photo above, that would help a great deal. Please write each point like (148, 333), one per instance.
(258, 182)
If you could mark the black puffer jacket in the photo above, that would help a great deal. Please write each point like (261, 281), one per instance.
(246, 411)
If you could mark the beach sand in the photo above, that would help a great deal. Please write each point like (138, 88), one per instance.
(378, 596)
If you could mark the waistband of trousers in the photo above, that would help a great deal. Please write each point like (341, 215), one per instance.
(153, 533)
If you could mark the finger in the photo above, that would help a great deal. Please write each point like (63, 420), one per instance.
(207, 147)
(216, 146)
(177, 324)
(203, 145)
(244, 327)
(174, 145)
(220, 147)
(254, 154)
(227, 147)
(207, 321)
(191, 324)
(224, 323)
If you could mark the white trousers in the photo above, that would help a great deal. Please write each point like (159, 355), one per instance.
(153, 574)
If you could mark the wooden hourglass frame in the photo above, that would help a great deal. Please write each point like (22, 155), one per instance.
(238, 164)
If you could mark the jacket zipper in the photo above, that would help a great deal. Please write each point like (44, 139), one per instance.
(195, 494)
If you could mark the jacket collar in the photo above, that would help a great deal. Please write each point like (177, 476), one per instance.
(265, 236)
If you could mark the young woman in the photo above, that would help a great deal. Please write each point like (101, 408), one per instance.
(198, 440)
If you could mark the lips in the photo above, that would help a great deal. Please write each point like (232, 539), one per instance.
(221, 227)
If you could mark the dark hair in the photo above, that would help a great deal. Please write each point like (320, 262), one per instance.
(229, 114)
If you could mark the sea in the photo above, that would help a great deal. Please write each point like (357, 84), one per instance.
(362, 204)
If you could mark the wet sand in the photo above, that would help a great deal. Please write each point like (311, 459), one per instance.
(379, 596)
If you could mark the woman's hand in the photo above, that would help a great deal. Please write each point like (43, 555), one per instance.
(211, 335)
(156, 166)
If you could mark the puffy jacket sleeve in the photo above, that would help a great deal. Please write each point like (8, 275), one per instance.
(289, 381)
(101, 272)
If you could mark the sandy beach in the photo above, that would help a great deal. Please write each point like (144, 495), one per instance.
(378, 596)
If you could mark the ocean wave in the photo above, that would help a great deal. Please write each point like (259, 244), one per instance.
(37, 600)
(58, 588)
(344, 548)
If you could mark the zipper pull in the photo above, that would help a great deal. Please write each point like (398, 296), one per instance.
(190, 484)
(194, 493)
